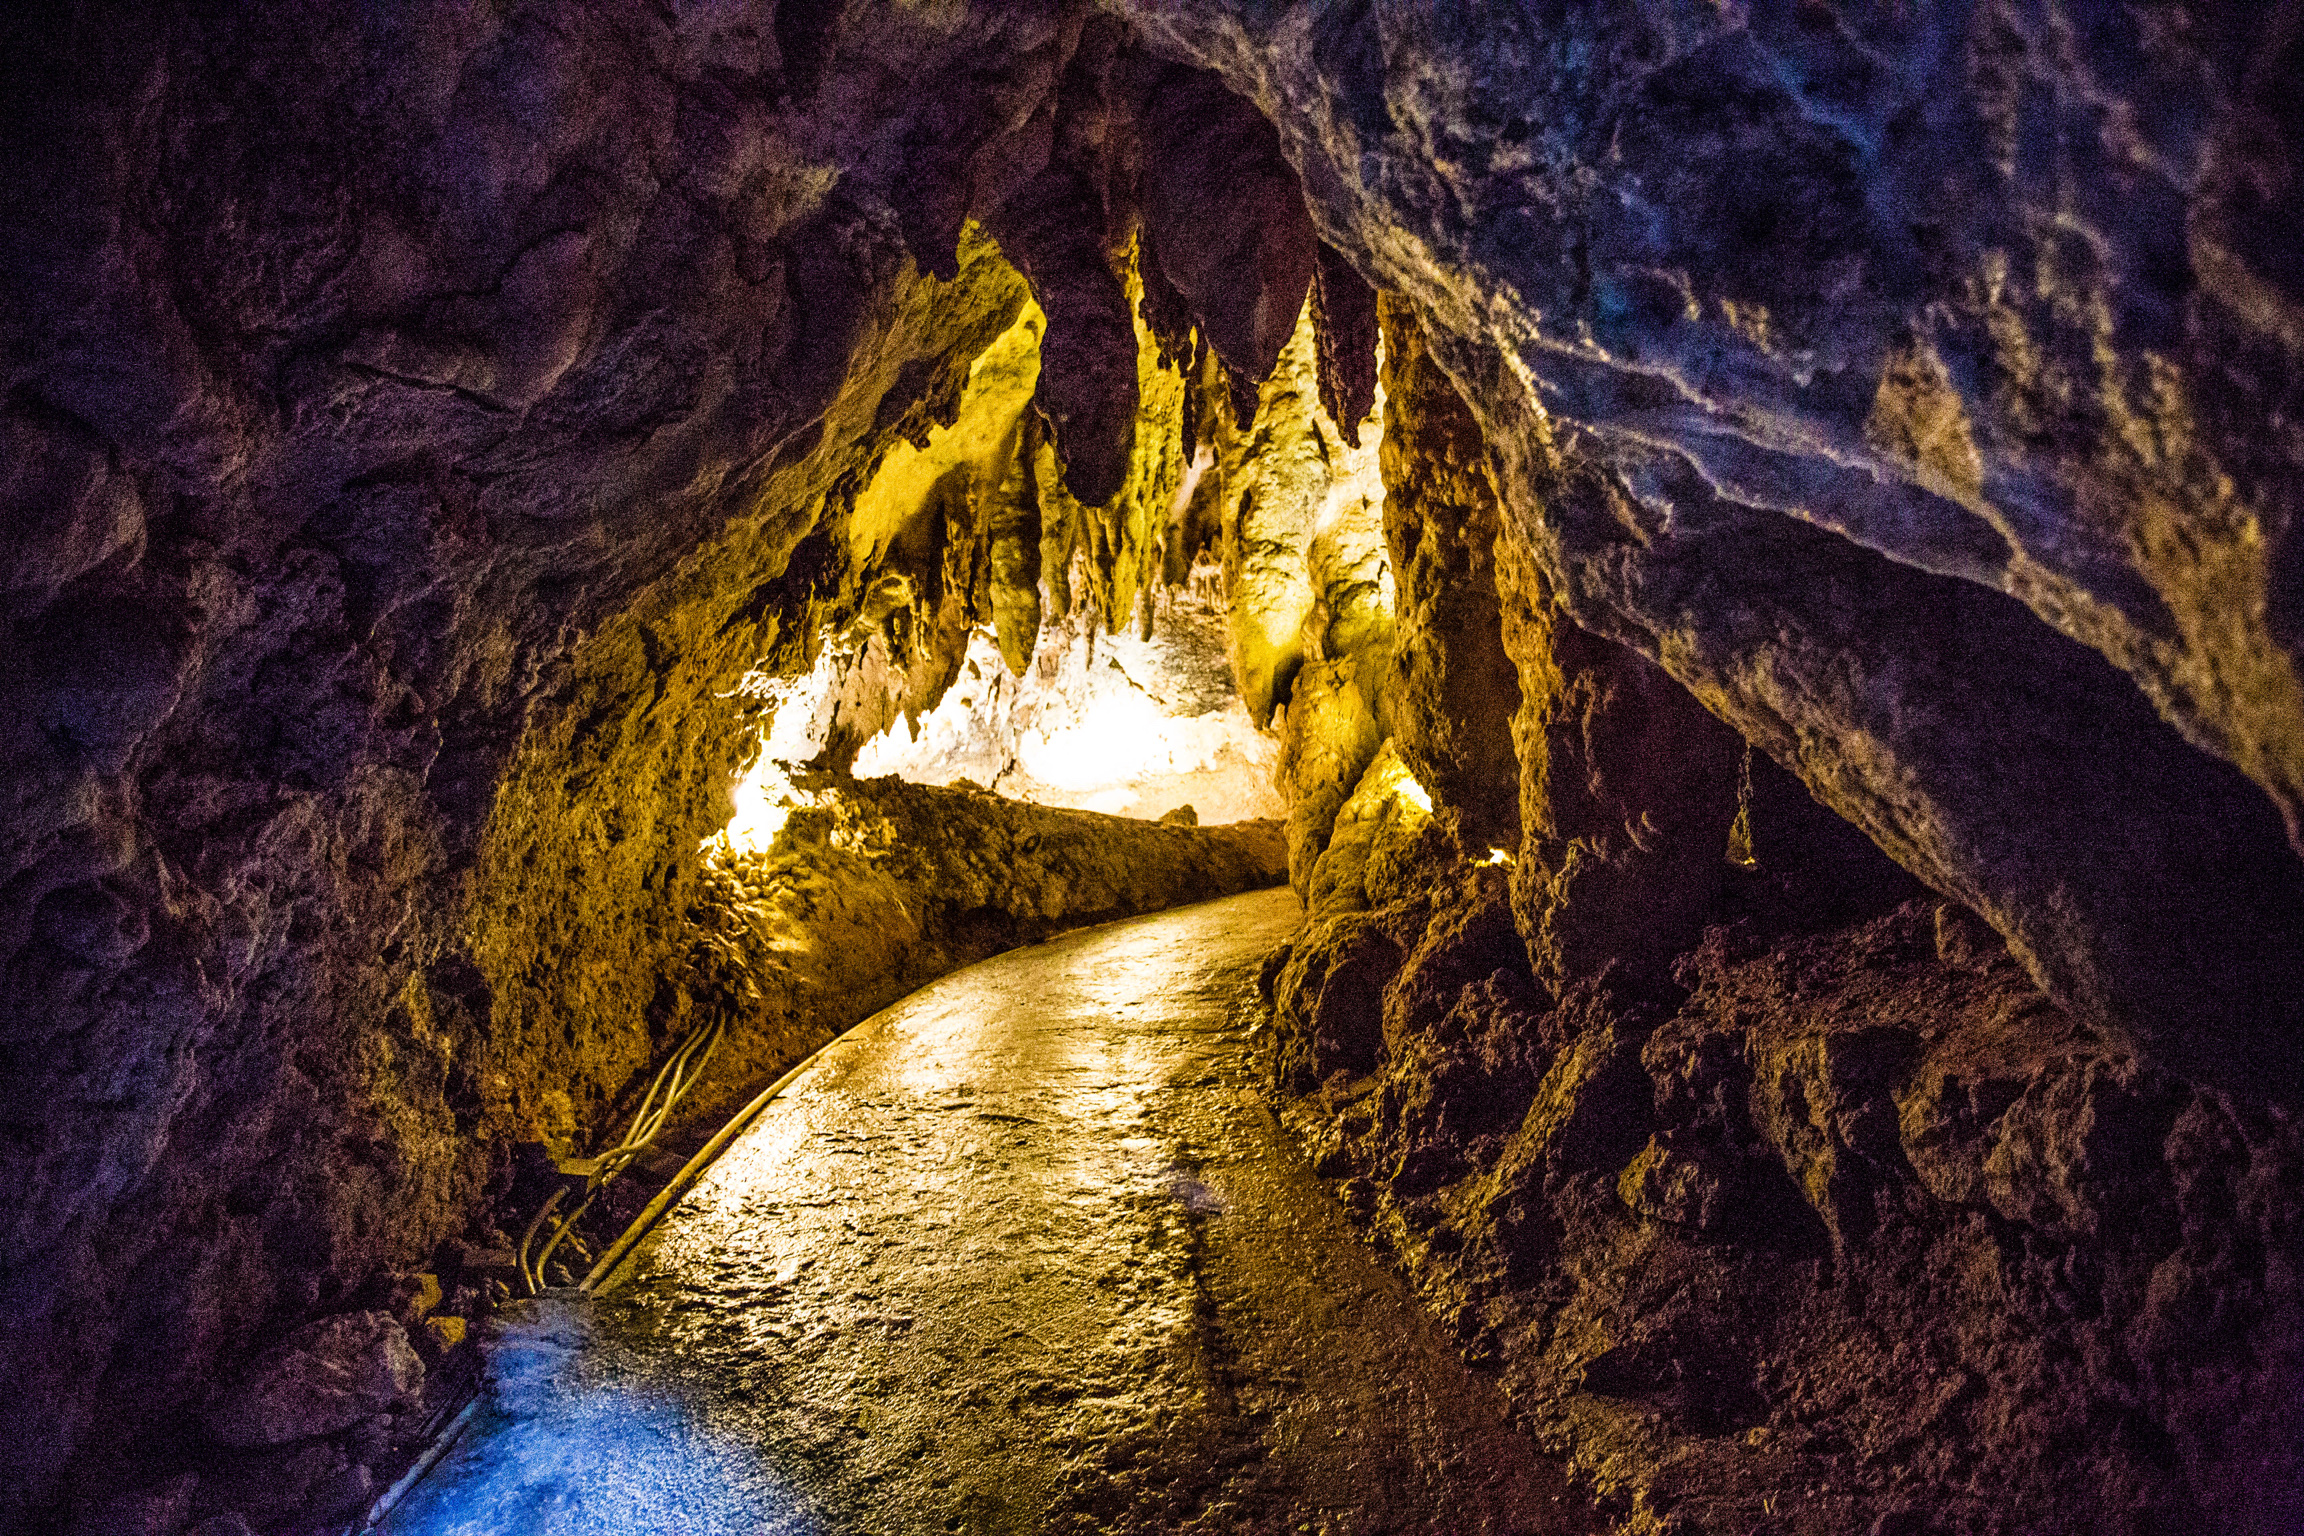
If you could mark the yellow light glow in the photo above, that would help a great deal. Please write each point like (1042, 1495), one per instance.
(1086, 725)
(765, 798)
(1000, 385)
(1413, 792)
(799, 714)
(1114, 734)
(1496, 856)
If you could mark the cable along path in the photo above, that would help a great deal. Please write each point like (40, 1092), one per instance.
(1023, 1253)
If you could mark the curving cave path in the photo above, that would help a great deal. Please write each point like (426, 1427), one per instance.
(444, 442)
(1025, 1252)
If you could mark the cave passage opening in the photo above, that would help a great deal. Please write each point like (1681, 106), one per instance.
(995, 645)
(1007, 638)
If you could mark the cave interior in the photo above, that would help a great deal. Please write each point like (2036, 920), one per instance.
(1742, 559)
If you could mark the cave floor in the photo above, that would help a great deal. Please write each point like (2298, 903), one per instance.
(1025, 1252)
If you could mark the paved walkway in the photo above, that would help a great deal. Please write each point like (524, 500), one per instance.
(1024, 1253)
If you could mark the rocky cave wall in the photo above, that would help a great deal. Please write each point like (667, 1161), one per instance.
(422, 418)
(1976, 322)
(1769, 1183)
(1825, 366)
(421, 421)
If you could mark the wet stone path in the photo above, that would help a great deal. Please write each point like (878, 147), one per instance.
(1023, 1253)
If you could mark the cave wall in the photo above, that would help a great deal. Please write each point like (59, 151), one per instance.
(422, 420)
(1854, 1231)
(1906, 382)
(588, 861)
(1768, 1183)
(1765, 1179)
(375, 377)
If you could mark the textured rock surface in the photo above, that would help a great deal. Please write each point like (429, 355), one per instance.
(326, 1376)
(418, 423)
(1329, 737)
(1372, 832)
(1619, 785)
(1911, 383)
(370, 374)
(1098, 721)
(1859, 1233)
(1628, 790)
(1010, 637)
(1455, 690)
(1301, 515)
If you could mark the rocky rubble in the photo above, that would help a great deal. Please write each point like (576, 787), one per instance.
(1849, 1229)
(307, 1433)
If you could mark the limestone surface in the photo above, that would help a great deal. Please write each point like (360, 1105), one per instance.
(324, 1377)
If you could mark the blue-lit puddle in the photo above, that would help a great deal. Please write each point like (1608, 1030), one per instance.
(574, 1440)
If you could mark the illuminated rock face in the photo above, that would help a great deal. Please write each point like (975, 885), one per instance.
(1897, 380)
(1097, 721)
(857, 891)
(1301, 510)
(1008, 636)
(404, 465)
(418, 425)
(1768, 1183)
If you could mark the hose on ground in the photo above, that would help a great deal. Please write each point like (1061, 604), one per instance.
(679, 1073)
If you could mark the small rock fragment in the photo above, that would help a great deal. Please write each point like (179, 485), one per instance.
(324, 1377)
(1668, 1186)
(158, 1510)
(486, 1263)
(425, 1300)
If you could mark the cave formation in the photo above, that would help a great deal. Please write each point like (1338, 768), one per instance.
(1751, 552)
